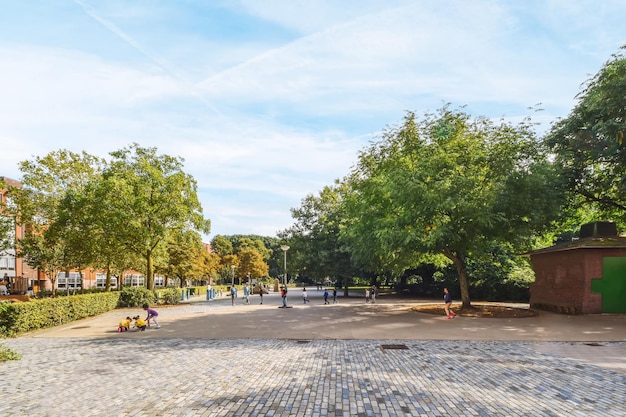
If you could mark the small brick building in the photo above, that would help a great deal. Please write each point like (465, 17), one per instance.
(584, 276)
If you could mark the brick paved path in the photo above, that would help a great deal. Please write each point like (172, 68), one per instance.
(212, 359)
(236, 377)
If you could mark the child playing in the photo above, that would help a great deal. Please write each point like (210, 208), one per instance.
(152, 314)
(447, 299)
(124, 325)
(140, 323)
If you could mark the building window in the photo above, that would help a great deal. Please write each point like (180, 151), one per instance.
(73, 282)
(134, 280)
(101, 281)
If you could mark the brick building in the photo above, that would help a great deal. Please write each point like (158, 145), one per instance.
(584, 276)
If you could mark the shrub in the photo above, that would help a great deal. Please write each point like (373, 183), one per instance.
(136, 297)
(7, 354)
(18, 318)
(169, 296)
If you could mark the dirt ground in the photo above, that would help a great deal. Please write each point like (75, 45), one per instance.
(479, 310)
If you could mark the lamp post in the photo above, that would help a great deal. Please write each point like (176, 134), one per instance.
(233, 277)
(285, 248)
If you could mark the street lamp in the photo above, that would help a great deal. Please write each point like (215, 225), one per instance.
(285, 248)
(233, 280)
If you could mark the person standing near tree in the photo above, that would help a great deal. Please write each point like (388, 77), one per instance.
(447, 299)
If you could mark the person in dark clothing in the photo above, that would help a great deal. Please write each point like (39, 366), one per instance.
(447, 299)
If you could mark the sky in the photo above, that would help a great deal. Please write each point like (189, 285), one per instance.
(270, 101)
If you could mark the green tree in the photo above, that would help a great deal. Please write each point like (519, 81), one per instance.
(590, 144)
(45, 205)
(184, 250)
(257, 245)
(221, 245)
(316, 249)
(449, 184)
(109, 249)
(154, 197)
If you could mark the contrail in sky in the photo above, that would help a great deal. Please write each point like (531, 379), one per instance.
(89, 10)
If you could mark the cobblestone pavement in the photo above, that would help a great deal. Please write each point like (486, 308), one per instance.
(147, 374)
(186, 377)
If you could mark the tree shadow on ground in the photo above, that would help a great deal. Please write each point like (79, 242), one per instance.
(479, 310)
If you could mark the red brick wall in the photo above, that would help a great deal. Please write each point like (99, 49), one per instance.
(563, 279)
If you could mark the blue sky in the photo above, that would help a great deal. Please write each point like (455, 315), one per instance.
(268, 101)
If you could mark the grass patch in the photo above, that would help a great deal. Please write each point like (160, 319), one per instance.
(7, 354)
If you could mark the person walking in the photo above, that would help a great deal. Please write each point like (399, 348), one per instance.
(233, 294)
(326, 296)
(261, 289)
(305, 297)
(246, 293)
(373, 291)
(283, 294)
(447, 307)
(335, 295)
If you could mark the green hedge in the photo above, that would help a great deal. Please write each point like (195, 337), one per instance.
(18, 318)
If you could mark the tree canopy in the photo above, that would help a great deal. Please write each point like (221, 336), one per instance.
(590, 144)
(448, 184)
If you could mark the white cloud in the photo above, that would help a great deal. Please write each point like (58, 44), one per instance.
(263, 121)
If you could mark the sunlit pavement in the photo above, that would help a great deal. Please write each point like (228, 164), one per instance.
(344, 359)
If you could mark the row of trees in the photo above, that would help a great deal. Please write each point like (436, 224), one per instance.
(244, 257)
(137, 211)
(450, 188)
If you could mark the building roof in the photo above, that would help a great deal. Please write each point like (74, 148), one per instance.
(584, 243)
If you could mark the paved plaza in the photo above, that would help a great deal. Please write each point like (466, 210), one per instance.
(213, 359)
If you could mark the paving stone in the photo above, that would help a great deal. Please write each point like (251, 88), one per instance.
(175, 377)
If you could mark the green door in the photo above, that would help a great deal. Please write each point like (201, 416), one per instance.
(612, 286)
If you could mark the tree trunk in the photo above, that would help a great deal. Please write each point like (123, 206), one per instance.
(107, 281)
(461, 268)
(150, 271)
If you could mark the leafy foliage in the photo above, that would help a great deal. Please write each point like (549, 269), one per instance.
(590, 144)
(7, 354)
(154, 198)
(451, 185)
(18, 318)
(170, 296)
(136, 297)
(316, 248)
